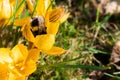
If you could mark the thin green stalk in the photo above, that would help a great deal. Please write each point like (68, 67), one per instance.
(66, 64)
(34, 8)
(97, 23)
(50, 4)
(16, 37)
(96, 33)
(97, 14)
(13, 17)
(116, 77)
(16, 9)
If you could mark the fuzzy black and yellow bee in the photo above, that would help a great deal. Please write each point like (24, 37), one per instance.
(38, 25)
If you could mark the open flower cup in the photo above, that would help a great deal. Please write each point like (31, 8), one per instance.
(49, 19)
(18, 63)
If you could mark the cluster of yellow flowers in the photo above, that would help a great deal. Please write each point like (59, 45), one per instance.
(40, 31)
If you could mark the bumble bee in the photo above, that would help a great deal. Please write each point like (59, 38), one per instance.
(38, 25)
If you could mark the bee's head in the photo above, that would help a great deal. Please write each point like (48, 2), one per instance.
(37, 21)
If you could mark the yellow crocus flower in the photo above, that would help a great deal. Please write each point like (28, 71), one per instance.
(46, 23)
(6, 10)
(18, 63)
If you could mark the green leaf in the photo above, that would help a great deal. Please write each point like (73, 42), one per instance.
(116, 77)
(84, 67)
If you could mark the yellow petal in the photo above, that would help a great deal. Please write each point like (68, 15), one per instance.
(41, 7)
(33, 54)
(19, 53)
(55, 51)
(29, 67)
(6, 9)
(30, 5)
(25, 23)
(27, 33)
(44, 42)
(52, 20)
(4, 71)
(12, 2)
(20, 78)
(52, 27)
(22, 21)
(5, 55)
(65, 17)
(56, 14)
(12, 76)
